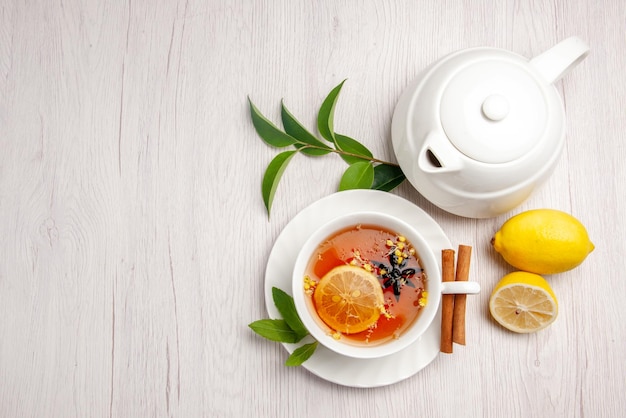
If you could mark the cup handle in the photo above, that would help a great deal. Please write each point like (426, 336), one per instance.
(461, 287)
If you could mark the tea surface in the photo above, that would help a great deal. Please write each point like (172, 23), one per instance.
(392, 259)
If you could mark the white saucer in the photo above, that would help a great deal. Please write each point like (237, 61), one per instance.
(326, 363)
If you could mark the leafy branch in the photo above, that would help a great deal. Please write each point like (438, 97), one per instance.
(290, 329)
(363, 172)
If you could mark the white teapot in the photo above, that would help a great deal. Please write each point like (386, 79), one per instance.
(481, 128)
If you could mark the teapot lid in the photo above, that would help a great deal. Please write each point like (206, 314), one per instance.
(494, 110)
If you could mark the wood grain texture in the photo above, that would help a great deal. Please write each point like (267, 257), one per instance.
(135, 238)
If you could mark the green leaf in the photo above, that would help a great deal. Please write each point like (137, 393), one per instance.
(352, 146)
(272, 176)
(285, 305)
(299, 132)
(275, 330)
(308, 150)
(387, 177)
(359, 175)
(301, 354)
(268, 131)
(326, 115)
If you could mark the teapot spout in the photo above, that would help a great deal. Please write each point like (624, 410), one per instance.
(438, 155)
(557, 61)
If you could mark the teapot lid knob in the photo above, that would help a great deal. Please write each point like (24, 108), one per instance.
(495, 107)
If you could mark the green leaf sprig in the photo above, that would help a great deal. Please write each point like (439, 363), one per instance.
(363, 172)
(290, 329)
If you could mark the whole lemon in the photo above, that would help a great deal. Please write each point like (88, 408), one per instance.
(543, 241)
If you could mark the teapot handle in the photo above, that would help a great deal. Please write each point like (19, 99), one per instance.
(438, 155)
(560, 59)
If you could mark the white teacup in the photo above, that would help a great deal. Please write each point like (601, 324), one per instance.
(434, 286)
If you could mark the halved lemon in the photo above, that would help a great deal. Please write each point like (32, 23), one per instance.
(349, 299)
(523, 302)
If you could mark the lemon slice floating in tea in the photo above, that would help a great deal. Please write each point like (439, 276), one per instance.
(523, 302)
(349, 299)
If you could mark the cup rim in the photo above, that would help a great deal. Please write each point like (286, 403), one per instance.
(427, 259)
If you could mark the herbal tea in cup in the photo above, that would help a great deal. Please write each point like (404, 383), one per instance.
(367, 285)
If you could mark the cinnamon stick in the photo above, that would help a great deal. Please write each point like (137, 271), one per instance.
(447, 301)
(462, 274)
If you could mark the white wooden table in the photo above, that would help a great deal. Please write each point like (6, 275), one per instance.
(134, 237)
